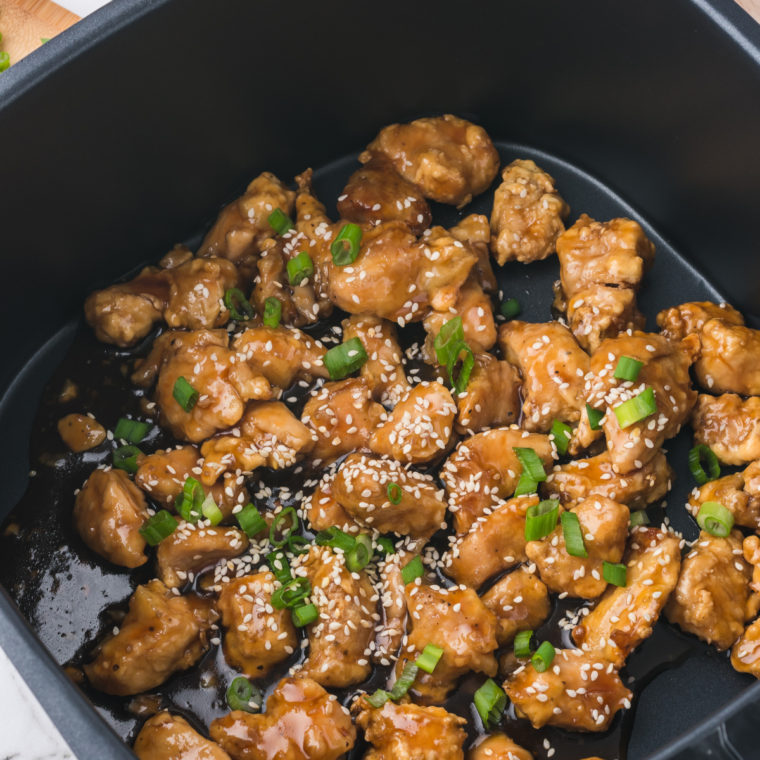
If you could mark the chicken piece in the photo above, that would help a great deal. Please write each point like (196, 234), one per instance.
(384, 370)
(282, 355)
(552, 366)
(257, 637)
(302, 722)
(272, 281)
(492, 397)
(163, 475)
(410, 732)
(108, 513)
(449, 159)
(730, 361)
(497, 746)
(80, 432)
(745, 654)
(528, 214)
(268, 435)
(243, 225)
(604, 527)
(192, 548)
(338, 641)
(223, 383)
(474, 229)
(617, 252)
(665, 370)
(160, 635)
(171, 737)
(125, 313)
(419, 427)
(581, 692)
(713, 598)
(729, 425)
(342, 416)
(378, 193)
(751, 549)
(581, 478)
(625, 615)
(520, 602)
(484, 470)
(178, 256)
(731, 492)
(458, 622)
(679, 321)
(392, 626)
(601, 312)
(324, 512)
(366, 488)
(494, 543)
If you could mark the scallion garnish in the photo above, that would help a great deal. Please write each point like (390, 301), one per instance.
(628, 369)
(158, 527)
(429, 658)
(250, 521)
(385, 545)
(448, 339)
(463, 377)
(5, 61)
(190, 502)
(541, 519)
(543, 657)
(594, 417)
(240, 695)
(125, 458)
(300, 268)
(490, 701)
(291, 594)
(210, 510)
(510, 308)
(280, 222)
(184, 394)
(335, 538)
(394, 493)
(522, 644)
(131, 431)
(345, 247)
(345, 359)
(640, 517)
(615, 574)
(360, 555)
(410, 572)
(304, 615)
(278, 520)
(533, 471)
(636, 409)
(272, 312)
(238, 305)
(715, 519)
(571, 530)
(298, 545)
(562, 434)
(696, 466)
(280, 566)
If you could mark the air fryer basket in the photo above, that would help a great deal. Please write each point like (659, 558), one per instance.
(123, 133)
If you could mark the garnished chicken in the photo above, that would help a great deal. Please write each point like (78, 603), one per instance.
(729, 425)
(730, 361)
(324, 512)
(735, 492)
(171, 737)
(745, 655)
(392, 627)
(679, 321)
(497, 746)
(474, 229)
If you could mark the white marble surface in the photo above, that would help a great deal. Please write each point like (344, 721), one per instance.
(81, 8)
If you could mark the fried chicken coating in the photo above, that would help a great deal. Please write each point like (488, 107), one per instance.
(730, 360)
(729, 425)
(677, 322)
(171, 737)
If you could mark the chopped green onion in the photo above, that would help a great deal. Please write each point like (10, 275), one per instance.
(385, 545)
(615, 574)
(715, 519)
(125, 458)
(640, 518)
(291, 594)
(250, 521)
(360, 555)
(335, 538)
(636, 409)
(345, 247)
(460, 384)
(531, 463)
(429, 658)
(562, 434)
(404, 681)
(280, 222)
(415, 569)
(184, 394)
(190, 502)
(345, 359)
(239, 307)
(304, 615)
(571, 530)
(594, 417)
(490, 701)
(5, 61)
(298, 545)
(394, 493)
(300, 268)
(526, 485)
(131, 431)
(541, 519)
(210, 511)
(378, 699)
(522, 644)
(696, 466)
(543, 657)
(43, 40)
(628, 369)
(240, 695)
(158, 527)
(449, 337)
(272, 312)
(280, 567)
(278, 520)
(510, 308)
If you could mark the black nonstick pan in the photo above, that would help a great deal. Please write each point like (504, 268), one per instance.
(124, 135)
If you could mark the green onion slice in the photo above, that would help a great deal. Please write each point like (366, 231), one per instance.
(360, 555)
(640, 518)
(594, 417)
(410, 572)
(190, 502)
(510, 308)
(404, 681)
(298, 545)
(615, 574)
(210, 511)
(300, 268)
(571, 529)
(543, 657)
(250, 521)
(278, 520)
(240, 695)
(449, 338)
(526, 485)
(304, 615)
(280, 566)
(562, 434)
(531, 463)
(184, 394)
(696, 466)
(636, 409)
(5, 61)
(125, 458)
(345, 359)
(239, 307)
(291, 594)
(378, 699)
(522, 644)
(385, 545)
(541, 519)
(715, 519)
(394, 493)
(345, 247)
(131, 431)
(429, 658)
(628, 369)
(460, 383)
(490, 701)
(280, 222)
(272, 312)
(158, 527)
(335, 538)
